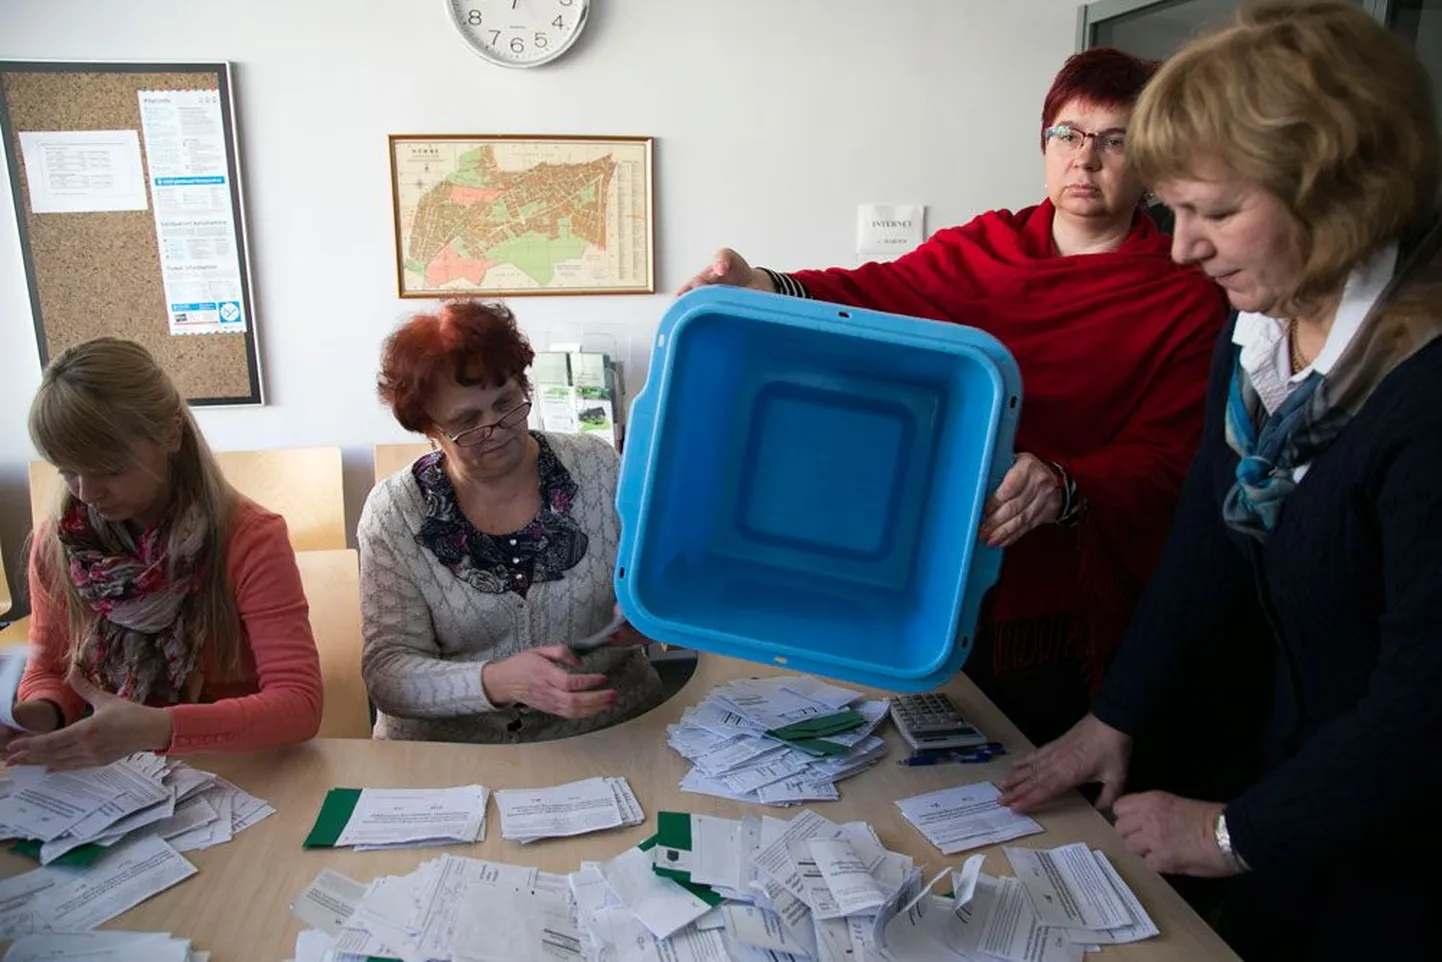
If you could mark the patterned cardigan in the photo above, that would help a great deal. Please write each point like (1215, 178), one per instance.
(428, 631)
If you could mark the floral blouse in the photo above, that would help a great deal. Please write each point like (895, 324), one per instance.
(550, 544)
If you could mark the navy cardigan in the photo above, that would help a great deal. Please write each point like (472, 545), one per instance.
(1342, 607)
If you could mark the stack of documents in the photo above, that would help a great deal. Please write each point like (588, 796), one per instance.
(72, 817)
(371, 819)
(590, 805)
(704, 889)
(104, 947)
(109, 838)
(54, 899)
(967, 816)
(778, 741)
(1002, 918)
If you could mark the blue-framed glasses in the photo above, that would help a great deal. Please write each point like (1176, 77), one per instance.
(1069, 139)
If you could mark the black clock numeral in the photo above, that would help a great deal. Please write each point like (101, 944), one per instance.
(541, 40)
(518, 45)
(567, 3)
(473, 17)
(495, 37)
(558, 23)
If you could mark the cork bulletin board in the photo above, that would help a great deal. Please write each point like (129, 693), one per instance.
(128, 202)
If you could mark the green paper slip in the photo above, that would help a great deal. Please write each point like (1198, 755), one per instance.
(819, 747)
(842, 721)
(82, 857)
(335, 813)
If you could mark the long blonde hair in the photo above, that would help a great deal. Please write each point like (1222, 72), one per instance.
(95, 400)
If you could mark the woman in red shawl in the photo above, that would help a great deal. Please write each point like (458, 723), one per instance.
(1114, 343)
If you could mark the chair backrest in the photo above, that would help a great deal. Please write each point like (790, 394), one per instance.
(332, 587)
(302, 485)
(5, 600)
(390, 458)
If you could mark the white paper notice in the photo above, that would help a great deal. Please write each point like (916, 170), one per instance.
(1068, 888)
(886, 231)
(195, 216)
(662, 905)
(968, 816)
(1013, 931)
(125, 877)
(1142, 928)
(328, 902)
(851, 885)
(396, 816)
(81, 171)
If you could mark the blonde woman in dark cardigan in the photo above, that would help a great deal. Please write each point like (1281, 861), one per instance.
(1300, 152)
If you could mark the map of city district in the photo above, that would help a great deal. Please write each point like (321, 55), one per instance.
(522, 216)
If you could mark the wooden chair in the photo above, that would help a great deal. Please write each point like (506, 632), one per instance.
(332, 587)
(5, 600)
(390, 458)
(302, 485)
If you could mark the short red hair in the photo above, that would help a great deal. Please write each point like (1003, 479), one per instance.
(1103, 76)
(471, 341)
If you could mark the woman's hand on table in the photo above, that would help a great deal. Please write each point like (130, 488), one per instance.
(34, 718)
(729, 267)
(539, 679)
(1028, 497)
(1092, 751)
(115, 728)
(1173, 835)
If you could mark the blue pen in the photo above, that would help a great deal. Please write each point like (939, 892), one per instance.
(968, 756)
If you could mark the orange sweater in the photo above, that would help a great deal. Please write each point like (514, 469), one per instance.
(277, 697)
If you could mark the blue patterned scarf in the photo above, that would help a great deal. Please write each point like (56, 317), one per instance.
(1405, 319)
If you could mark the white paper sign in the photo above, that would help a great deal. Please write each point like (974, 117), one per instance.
(195, 217)
(83, 171)
(886, 231)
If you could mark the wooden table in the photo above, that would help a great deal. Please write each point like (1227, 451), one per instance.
(237, 906)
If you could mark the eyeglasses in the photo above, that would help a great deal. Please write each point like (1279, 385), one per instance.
(481, 433)
(1069, 139)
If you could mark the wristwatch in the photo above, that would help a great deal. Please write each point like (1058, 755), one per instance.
(1224, 842)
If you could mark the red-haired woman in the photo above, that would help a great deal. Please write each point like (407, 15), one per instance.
(1113, 341)
(481, 560)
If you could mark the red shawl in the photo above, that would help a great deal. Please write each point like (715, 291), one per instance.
(1114, 351)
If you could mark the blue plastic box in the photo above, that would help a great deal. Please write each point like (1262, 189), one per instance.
(802, 485)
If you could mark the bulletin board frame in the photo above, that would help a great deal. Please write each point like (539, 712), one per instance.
(101, 273)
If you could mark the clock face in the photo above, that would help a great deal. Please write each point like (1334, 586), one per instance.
(519, 33)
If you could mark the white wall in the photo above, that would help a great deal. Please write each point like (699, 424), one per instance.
(772, 119)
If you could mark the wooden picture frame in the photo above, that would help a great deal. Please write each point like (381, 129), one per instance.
(509, 215)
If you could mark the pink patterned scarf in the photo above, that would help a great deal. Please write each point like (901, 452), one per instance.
(138, 646)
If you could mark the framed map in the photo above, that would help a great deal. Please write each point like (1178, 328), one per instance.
(513, 215)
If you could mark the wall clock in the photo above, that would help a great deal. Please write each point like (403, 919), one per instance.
(519, 33)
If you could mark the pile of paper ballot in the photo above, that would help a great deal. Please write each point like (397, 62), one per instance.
(778, 741)
(109, 838)
(104, 947)
(374, 819)
(590, 805)
(705, 889)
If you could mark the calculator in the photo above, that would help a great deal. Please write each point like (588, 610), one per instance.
(930, 721)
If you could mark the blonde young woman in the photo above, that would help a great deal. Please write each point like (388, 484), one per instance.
(167, 612)
(1300, 152)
